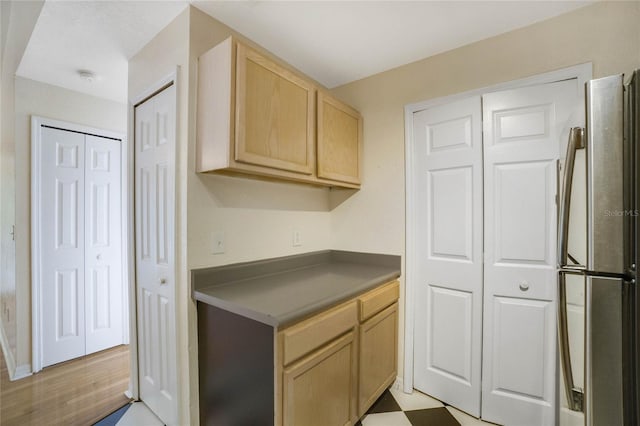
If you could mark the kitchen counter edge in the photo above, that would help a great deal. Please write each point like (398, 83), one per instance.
(208, 278)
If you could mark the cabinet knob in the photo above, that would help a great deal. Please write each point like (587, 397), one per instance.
(98, 256)
(163, 280)
(524, 286)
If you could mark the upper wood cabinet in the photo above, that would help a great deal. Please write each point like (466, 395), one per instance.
(274, 115)
(256, 116)
(339, 140)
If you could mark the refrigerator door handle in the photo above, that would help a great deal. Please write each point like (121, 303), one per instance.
(576, 141)
(575, 396)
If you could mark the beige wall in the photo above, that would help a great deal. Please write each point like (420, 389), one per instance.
(33, 98)
(606, 34)
(257, 217)
(17, 22)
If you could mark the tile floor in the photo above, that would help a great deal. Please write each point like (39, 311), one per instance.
(396, 408)
(138, 415)
(393, 408)
(134, 414)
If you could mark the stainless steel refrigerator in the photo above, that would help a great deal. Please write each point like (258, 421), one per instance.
(606, 390)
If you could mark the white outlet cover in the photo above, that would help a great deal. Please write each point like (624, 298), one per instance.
(296, 238)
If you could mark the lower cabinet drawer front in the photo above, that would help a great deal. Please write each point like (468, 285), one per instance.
(320, 389)
(310, 334)
(376, 300)
(378, 356)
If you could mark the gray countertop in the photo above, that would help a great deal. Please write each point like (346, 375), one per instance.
(281, 291)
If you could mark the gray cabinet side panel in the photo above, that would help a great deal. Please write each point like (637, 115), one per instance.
(235, 363)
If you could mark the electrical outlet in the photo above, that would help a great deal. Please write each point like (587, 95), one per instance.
(296, 242)
(217, 246)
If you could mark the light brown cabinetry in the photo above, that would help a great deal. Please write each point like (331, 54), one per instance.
(378, 343)
(339, 140)
(320, 368)
(334, 365)
(274, 115)
(255, 116)
(319, 390)
(378, 356)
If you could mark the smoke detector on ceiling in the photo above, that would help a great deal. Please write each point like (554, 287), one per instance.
(88, 76)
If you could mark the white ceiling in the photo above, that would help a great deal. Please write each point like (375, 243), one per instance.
(339, 42)
(335, 42)
(99, 36)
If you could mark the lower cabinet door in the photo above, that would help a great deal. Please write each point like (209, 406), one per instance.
(320, 389)
(378, 356)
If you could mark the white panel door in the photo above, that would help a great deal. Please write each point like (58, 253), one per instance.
(80, 219)
(448, 321)
(523, 129)
(103, 248)
(155, 252)
(62, 252)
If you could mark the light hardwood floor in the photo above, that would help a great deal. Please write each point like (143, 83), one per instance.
(77, 392)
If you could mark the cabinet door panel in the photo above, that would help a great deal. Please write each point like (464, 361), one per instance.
(320, 389)
(275, 115)
(339, 140)
(313, 333)
(378, 356)
(376, 300)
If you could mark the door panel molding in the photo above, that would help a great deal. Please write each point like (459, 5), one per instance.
(129, 224)
(155, 254)
(448, 347)
(65, 157)
(450, 225)
(582, 73)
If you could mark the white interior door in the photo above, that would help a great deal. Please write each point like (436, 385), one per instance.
(62, 252)
(448, 333)
(523, 129)
(81, 266)
(155, 252)
(103, 257)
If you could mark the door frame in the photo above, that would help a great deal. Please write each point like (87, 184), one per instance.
(170, 79)
(37, 346)
(583, 72)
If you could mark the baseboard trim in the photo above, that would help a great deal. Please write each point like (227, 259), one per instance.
(8, 355)
(22, 371)
(15, 372)
(398, 385)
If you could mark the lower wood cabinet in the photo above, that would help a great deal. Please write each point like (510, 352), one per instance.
(378, 356)
(333, 366)
(320, 389)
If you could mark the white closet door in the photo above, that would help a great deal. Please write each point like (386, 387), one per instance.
(448, 322)
(62, 252)
(522, 135)
(155, 253)
(103, 256)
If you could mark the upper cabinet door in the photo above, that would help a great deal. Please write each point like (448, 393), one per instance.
(274, 115)
(339, 140)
